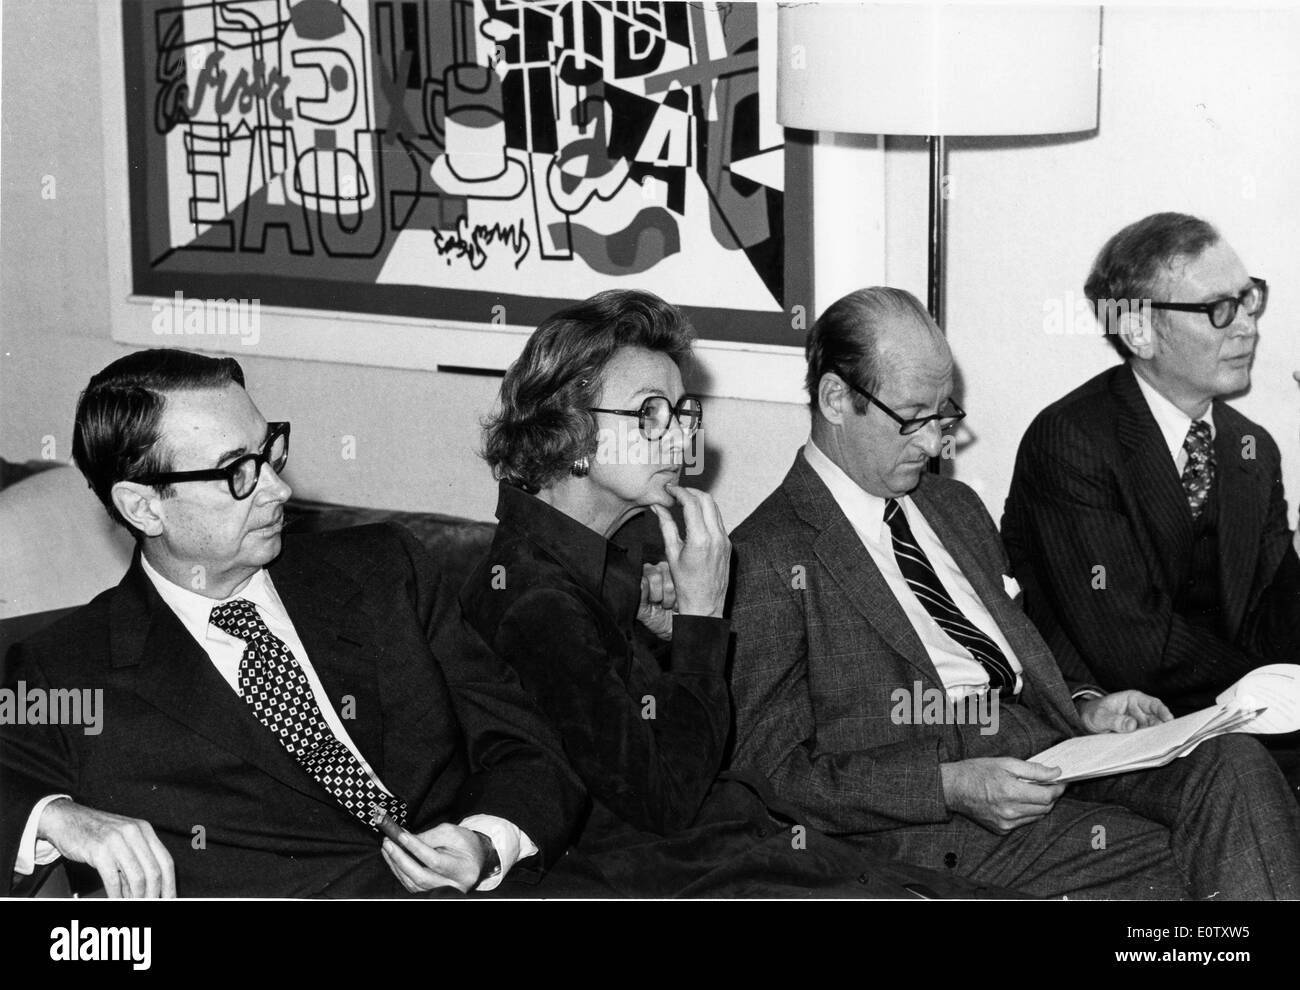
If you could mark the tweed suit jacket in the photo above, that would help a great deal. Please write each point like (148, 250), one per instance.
(822, 645)
(442, 721)
(1094, 486)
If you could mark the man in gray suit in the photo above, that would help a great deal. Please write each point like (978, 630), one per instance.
(891, 688)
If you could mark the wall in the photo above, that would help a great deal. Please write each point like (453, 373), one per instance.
(1199, 110)
(1200, 113)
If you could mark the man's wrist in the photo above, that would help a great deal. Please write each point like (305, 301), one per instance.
(55, 806)
(491, 858)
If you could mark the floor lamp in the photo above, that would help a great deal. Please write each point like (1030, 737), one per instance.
(938, 71)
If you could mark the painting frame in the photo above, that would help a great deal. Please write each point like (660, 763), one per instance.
(729, 368)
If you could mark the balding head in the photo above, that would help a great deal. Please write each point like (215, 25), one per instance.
(882, 341)
(862, 334)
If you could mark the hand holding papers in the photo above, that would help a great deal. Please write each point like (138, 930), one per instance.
(1267, 700)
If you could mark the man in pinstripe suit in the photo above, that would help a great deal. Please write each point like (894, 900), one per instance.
(1146, 519)
(863, 582)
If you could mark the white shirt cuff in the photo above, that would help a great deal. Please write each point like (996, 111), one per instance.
(34, 852)
(512, 844)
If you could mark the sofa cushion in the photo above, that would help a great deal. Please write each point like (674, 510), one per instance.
(61, 549)
(457, 544)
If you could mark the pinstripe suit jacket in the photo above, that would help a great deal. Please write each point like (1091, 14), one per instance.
(1094, 485)
(822, 644)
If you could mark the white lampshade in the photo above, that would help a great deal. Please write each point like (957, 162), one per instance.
(950, 70)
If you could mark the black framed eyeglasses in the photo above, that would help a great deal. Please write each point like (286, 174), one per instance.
(241, 474)
(947, 417)
(1223, 311)
(656, 415)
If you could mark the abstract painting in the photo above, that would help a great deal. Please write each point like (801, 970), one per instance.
(474, 161)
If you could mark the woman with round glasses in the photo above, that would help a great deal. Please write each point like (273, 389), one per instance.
(622, 650)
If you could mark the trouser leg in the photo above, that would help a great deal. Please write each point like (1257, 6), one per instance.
(1234, 823)
(1079, 850)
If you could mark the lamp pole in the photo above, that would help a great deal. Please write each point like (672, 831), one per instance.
(934, 291)
(934, 294)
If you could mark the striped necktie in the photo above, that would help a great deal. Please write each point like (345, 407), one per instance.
(929, 590)
(276, 688)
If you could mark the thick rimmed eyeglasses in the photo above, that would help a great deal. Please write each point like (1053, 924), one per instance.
(656, 415)
(241, 474)
(947, 417)
(1223, 311)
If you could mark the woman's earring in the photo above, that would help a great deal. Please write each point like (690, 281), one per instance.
(581, 467)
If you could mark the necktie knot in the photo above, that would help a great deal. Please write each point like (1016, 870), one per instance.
(238, 618)
(1198, 437)
(892, 509)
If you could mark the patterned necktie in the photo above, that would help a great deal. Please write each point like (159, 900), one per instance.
(274, 685)
(1198, 475)
(925, 584)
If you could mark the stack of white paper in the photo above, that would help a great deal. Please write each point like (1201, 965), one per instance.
(1267, 700)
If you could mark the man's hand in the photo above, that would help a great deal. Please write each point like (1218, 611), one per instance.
(1122, 711)
(130, 859)
(999, 792)
(444, 856)
(658, 596)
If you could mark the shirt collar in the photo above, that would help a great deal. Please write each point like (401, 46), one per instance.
(1172, 422)
(195, 610)
(862, 508)
(604, 568)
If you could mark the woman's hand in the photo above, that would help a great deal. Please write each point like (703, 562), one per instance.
(658, 598)
(700, 564)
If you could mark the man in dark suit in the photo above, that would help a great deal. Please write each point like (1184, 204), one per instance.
(259, 698)
(1146, 520)
(874, 632)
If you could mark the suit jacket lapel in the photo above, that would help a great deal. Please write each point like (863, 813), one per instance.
(849, 563)
(320, 601)
(1153, 482)
(1243, 503)
(176, 676)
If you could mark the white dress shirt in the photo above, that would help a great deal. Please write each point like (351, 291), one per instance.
(961, 674)
(1172, 421)
(226, 652)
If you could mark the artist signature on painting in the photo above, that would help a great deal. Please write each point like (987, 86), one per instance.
(472, 244)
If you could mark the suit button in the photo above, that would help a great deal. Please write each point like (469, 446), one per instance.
(761, 832)
(950, 860)
(864, 878)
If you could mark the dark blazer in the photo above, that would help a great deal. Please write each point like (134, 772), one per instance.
(822, 644)
(558, 602)
(1094, 486)
(441, 720)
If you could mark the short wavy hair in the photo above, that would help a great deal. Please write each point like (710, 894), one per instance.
(542, 425)
(118, 436)
(1130, 264)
